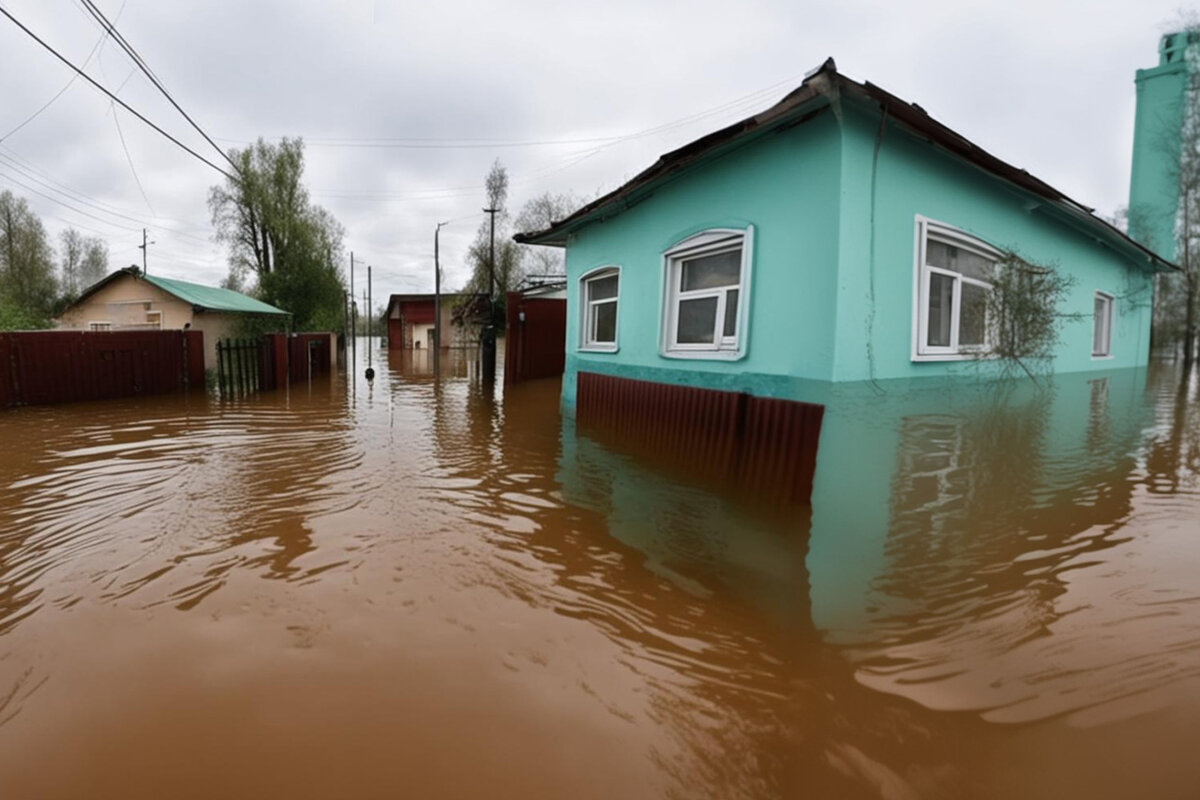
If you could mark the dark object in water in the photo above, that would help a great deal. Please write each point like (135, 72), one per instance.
(370, 373)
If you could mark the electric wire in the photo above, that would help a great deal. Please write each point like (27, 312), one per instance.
(95, 49)
(129, 159)
(149, 73)
(112, 96)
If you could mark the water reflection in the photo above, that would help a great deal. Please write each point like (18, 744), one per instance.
(424, 581)
(1014, 570)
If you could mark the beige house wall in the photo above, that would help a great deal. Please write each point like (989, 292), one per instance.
(124, 303)
(215, 326)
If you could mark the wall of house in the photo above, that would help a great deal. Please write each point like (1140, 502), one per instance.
(123, 304)
(215, 326)
(884, 194)
(786, 185)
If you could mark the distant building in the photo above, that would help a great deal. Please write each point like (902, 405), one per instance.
(129, 300)
(410, 320)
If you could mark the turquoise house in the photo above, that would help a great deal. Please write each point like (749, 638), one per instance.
(840, 235)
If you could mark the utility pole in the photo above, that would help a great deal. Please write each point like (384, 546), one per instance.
(353, 320)
(437, 303)
(142, 247)
(370, 316)
(488, 356)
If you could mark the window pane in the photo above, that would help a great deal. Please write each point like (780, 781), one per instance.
(709, 272)
(604, 323)
(731, 312)
(972, 318)
(947, 256)
(697, 321)
(602, 288)
(1100, 325)
(941, 299)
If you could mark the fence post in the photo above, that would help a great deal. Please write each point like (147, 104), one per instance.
(221, 367)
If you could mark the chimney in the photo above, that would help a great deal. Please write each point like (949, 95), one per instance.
(1154, 180)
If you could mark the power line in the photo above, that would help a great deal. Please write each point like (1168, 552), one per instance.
(149, 73)
(67, 85)
(112, 96)
(83, 199)
(32, 171)
(129, 159)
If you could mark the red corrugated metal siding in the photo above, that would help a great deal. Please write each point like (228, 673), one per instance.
(395, 332)
(8, 394)
(300, 354)
(535, 347)
(417, 312)
(195, 357)
(43, 367)
(761, 445)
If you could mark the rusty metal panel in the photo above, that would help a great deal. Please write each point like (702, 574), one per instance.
(63, 366)
(763, 446)
(309, 355)
(8, 395)
(536, 345)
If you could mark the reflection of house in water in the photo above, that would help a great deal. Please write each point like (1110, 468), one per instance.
(949, 591)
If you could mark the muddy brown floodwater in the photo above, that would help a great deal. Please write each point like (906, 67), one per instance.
(416, 589)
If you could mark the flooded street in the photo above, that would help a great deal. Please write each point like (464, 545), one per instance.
(417, 588)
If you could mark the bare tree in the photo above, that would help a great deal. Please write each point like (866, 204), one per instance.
(540, 213)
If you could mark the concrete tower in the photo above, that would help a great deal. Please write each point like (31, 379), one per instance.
(1154, 181)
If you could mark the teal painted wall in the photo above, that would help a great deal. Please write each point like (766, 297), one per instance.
(1154, 179)
(785, 184)
(875, 338)
(831, 298)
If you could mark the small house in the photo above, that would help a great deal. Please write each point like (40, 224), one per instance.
(129, 300)
(410, 320)
(841, 235)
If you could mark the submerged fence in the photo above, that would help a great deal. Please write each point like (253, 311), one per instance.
(245, 366)
(765, 446)
(43, 367)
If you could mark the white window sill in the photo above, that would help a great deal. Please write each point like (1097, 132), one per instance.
(704, 355)
(598, 348)
(1108, 357)
(949, 357)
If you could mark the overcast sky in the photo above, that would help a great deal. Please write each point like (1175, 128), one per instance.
(571, 96)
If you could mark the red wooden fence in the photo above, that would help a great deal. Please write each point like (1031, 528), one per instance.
(535, 339)
(40, 367)
(761, 445)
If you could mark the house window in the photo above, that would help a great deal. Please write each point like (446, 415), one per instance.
(953, 275)
(99, 326)
(599, 291)
(154, 319)
(1102, 325)
(707, 279)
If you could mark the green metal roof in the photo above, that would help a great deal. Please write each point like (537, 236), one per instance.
(210, 297)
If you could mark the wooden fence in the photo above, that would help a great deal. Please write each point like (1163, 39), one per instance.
(44, 367)
(245, 366)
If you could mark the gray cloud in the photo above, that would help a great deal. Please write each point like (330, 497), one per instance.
(1047, 86)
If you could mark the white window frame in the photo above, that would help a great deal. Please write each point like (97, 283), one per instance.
(939, 231)
(1109, 302)
(587, 317)
(154, 319)
(99, 326)
(705, 243)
